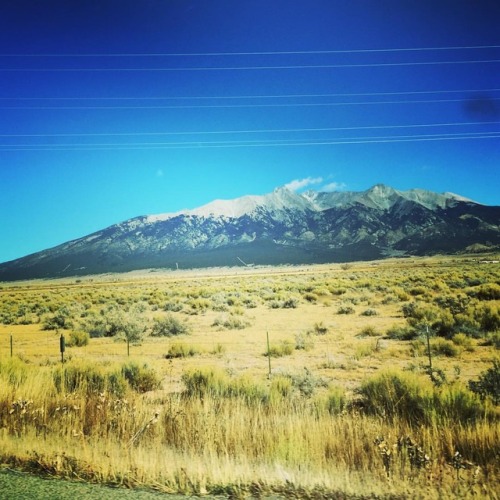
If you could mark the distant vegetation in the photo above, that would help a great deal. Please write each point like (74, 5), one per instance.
(374, 379)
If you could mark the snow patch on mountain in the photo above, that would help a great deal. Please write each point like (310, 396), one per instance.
(280, 199)
(379, 197)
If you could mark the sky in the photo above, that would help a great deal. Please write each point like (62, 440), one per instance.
(111, 109)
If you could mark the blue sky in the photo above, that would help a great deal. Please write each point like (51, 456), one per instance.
(116, 108)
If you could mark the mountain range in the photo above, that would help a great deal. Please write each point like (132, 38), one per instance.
(282, 227)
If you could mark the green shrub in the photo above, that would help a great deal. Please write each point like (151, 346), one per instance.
(413, 398)
(173, 306)
(77, 339)
(397, 332)
(462, 340)
(169, 326)
(61, 320)
(230, 322)
(197, 306)
(417, 312)
(306, 382)
(488, 385)
(455, 403)
(284, 348)
(488, 316)
(369, 331)
(393, 394)
(310, 297)
(205, 381)
(369, 312)
(181, 350)
(493, 339)
(141, 377)
(345, 310)
(443, 347)
(290, 303)
(417, 290)
(489, 291)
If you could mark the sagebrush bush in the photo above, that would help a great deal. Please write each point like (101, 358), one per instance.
(462, 340)
(287, 303)
(414, 398)
(141, 377)
(488, 316)
(202, 381)
(230, 322)
(397, 332)
(345, 310)
(444, 347)
(283, 348)
(77, 338)
(181, 350)
(493, 339)
(369, 331)
(489, 291)
(304, 341)
(306, 382)
(488, 384)
(310, 297)
(169, 326)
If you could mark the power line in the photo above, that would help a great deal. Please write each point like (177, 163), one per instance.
(235, 106)
(235, 97)
(249, 68)
(257, 143)
(260, 53)
(254, 131)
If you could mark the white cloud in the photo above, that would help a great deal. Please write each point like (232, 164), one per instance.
(334, 186)
(297, 184)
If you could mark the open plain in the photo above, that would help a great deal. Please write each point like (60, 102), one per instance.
(372, 379)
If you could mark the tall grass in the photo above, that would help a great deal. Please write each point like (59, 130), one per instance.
(214, 435)
(414, 398)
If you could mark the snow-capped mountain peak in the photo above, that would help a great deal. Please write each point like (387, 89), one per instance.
(280, 199)
(276, 228)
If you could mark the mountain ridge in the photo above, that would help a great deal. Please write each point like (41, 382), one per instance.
(282, 227)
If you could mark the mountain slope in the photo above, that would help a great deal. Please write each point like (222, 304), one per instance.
(276, 228)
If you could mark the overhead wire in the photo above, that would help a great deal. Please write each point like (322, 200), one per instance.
(254, 143)
(255, 131)
(255, 96)
(253, 105)
(256, 53)
(249, 143)
(252, 68)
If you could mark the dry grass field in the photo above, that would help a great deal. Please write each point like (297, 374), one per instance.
(310, 382)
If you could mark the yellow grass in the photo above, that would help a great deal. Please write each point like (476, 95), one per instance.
(232, 445)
